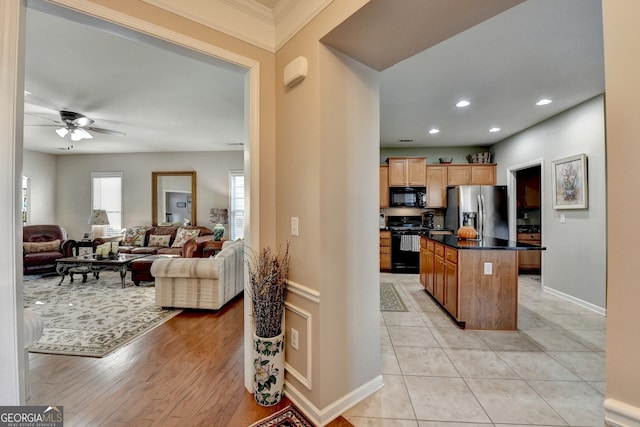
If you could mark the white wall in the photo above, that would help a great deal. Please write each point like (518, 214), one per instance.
(40, 168)
(65, 183)
(575, 260)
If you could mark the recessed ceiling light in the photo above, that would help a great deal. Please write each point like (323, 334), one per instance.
(463, 103)
(544, 101)
(494, 130)
(434, 131)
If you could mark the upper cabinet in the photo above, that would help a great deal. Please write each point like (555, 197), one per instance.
(476, 174)
(436, 186)
(528, 188)
(407, 171)
(384, 186)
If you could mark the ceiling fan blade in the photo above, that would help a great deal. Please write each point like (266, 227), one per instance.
(59, 123)
(106, 131)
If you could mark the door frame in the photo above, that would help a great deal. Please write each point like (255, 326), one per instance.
(512, 189)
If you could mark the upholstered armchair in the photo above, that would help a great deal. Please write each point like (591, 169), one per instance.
(42, 245)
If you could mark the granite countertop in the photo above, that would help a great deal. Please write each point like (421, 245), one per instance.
(485, 243)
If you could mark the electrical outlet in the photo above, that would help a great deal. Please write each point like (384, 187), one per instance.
(295, 231)
(294, 338)
(488, 268)
(563, 219)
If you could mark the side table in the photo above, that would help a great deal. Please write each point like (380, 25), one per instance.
(83, 244)
(211, 248)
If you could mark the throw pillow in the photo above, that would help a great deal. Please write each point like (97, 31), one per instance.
(35, 247)
(160, 240)
(134, 236)
(183, 235)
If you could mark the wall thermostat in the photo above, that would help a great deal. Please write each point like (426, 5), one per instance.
(295, 71)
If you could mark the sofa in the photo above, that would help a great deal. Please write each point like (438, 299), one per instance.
(184, 241)
(42, 245)
(200, 283)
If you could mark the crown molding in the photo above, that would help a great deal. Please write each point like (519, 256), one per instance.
(248, 20)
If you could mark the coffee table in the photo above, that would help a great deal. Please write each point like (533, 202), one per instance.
(85, 264)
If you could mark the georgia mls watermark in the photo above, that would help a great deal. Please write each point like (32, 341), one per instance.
(31, 416)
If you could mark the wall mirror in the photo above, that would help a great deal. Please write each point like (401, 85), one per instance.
(173, 197)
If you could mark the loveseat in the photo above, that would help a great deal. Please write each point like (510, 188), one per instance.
(183, 241)
(202, 283)
(42, 245)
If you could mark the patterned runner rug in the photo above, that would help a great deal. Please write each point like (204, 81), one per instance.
(93, 318)
(390, 299)
(288, 416)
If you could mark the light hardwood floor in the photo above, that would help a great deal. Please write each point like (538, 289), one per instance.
(186, 372)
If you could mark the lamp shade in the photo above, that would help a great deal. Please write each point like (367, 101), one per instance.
(219, 216)
(98, 217)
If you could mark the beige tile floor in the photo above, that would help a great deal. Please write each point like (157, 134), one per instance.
(550, 372)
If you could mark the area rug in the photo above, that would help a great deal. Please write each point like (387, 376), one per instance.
(288, 416)
(93, 318)
(390, 299)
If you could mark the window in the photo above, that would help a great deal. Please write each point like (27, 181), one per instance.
(106, 193)
(236, 194)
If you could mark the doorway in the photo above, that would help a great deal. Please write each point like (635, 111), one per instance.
(251, 150)
(526, 213)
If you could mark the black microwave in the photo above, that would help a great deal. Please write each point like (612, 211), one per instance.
(411, 197)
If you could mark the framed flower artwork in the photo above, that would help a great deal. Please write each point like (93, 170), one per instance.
(569, 182)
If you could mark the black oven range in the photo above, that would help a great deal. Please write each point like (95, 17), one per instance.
(405, 242)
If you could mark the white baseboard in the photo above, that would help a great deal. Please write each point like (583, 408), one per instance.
(322, 417)
(620, 414)
(578, 301)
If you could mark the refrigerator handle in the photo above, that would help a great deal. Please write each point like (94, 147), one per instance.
(480, 215)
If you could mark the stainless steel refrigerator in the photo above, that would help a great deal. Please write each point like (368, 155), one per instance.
(482, 206)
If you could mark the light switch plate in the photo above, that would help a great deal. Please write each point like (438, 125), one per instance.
(295, 230)
(563, 219)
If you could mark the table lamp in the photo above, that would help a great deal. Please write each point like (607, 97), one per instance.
(219, 217)
(98, 219)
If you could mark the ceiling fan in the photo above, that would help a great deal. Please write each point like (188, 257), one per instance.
(78, 126)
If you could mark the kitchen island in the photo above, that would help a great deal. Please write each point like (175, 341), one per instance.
(475, 281)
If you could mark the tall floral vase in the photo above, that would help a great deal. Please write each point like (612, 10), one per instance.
(268, 367)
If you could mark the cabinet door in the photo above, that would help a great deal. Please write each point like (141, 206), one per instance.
(416, 175)
(384, 187)
(398, 172)
(483, 174)
(458, 175)
(436, 180)
(423, 267)
(451, 288)
(385, 250)
(529, 260)
(438, 285)
(431, 272)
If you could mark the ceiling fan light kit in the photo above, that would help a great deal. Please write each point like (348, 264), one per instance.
(77, 126)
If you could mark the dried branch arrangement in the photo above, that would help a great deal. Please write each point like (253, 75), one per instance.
(268, 273)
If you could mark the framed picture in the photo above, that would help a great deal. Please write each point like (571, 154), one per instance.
(569, 177)
(181, 204)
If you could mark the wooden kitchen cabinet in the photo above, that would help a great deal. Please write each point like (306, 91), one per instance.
(477, 174)
(438, 273)
(483, 174)
(475, 299)
(451, 281)
(528, 188)
(436, 181)
(384, 186)
(407, 171)
(529, 260)
(385, 250)
(423, 262)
